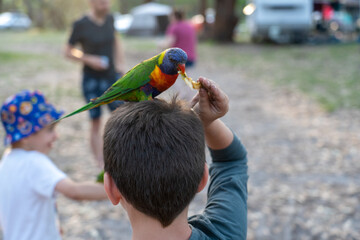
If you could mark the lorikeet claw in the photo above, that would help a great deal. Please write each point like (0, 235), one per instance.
(192, 84)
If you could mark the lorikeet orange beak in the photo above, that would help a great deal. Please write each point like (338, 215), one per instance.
(188, 80)
(181, 68)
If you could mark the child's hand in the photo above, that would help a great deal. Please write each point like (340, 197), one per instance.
(211, 102)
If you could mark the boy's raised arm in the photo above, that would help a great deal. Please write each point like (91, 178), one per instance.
(225, 215)
(210, 104)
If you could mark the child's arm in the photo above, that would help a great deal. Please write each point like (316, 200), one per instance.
(81, 191)
(213, 103)
(225, 215)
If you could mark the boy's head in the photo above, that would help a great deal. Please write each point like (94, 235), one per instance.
(154, 152)
(25, 114)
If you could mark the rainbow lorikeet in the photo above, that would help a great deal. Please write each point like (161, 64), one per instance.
(146, 80)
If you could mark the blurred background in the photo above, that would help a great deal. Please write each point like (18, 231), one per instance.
(275, 20)
(290, 68)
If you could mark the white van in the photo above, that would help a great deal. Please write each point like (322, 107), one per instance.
(281, 21)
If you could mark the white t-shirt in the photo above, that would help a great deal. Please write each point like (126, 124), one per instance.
(27, 196)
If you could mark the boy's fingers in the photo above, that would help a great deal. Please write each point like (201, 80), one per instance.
(195, 100)
(210, 86)
(204, 102)
(203, 97)
(214, 92)
(205, 83)
(218, 98)
(210, 92)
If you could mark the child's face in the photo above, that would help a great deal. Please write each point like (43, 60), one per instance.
(42, 141)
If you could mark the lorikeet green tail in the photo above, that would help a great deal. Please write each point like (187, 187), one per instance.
(145, 81)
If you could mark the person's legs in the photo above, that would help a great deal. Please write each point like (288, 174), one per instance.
(91, 89)
(94, 87)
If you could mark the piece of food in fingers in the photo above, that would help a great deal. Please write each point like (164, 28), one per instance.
(191, 83)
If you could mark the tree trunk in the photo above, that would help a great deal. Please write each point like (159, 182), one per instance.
(203, 6)
(206, 30)
(54, 16)
(29, 9)
(225, 20)
(13, 5)
(39, 14)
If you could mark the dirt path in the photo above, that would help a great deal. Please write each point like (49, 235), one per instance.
(303, 162)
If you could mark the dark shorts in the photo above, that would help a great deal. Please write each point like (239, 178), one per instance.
(189, 63)
(94, 87)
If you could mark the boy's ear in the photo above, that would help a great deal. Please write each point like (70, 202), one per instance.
(204, 178)
(111, 189)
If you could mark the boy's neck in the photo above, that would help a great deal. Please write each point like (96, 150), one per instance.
(145, 227)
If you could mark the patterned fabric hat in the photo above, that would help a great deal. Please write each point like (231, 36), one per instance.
(25, 113)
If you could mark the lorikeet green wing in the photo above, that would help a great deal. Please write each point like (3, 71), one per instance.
(135, 78)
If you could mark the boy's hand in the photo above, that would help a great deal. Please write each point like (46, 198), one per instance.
(210, 103)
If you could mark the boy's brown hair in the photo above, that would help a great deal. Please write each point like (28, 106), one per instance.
(155, 153)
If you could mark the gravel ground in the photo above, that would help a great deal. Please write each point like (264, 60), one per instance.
(303, 162)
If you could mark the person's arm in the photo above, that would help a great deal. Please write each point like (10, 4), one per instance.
(226, 208)
(92, 61)
(119, 57)
(81, 191)
(225, 215)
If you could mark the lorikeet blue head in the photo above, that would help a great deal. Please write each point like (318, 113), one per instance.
(174, 61)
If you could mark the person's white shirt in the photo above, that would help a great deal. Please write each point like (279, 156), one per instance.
(27, 196)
